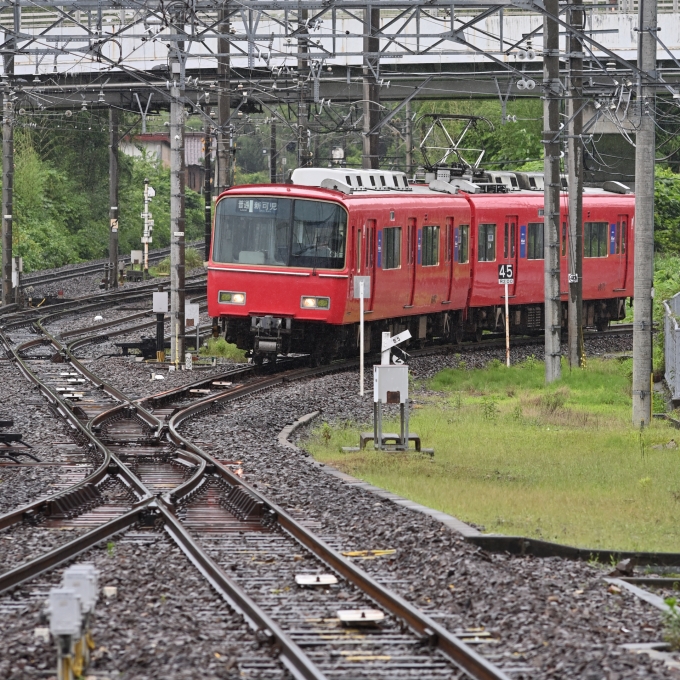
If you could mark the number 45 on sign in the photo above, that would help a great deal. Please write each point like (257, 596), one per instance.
(506, 274)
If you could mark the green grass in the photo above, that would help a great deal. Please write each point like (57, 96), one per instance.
(561, 463)
(219, 347)
(192, 260)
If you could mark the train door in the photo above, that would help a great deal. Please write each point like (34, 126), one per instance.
(510, 235)
(370, 251)
(411, 236)
(621, 251)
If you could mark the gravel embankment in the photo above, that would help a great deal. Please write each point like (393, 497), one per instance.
(554, 617)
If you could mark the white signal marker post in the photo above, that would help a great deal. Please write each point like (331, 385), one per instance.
(506, 276)
(362, 287)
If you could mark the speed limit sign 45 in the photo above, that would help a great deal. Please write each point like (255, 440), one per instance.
(506, 274)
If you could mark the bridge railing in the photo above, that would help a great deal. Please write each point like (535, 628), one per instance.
(671, 330)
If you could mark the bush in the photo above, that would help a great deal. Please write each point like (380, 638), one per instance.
(219, 347)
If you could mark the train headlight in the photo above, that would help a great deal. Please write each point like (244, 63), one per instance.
(315, 302)
(229, 298)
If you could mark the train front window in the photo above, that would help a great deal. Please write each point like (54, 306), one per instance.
(280, 232)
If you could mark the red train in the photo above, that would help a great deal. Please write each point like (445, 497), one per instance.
(283, 259)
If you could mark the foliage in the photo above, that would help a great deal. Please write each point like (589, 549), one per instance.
(672, 623)
(667, 211)
(61, 197)
(560, 462)
(192, 260)
(219, 347)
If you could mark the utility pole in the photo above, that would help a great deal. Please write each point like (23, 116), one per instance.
(303, 153)
(575, 178)
(370, 156)
(223, 159)
(551, 203)
(177, 180)
(207, 192)
(272, 152)
(8, 161)
(408, 138)
(644, 216)
(113, 197)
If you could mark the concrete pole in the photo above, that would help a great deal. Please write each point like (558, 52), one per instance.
(408, 137)
(207, 188)
(303, 151)
(272, 152)
(223, 160)
(8, 164)
(644, 217)
(177, 180)
(551, 233)
(113, 197)
(575, 175)
(370, 159)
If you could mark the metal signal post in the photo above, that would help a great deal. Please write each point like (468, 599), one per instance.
(149, 193)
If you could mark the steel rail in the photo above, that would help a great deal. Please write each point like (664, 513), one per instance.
(292, 656)
(457, 651)
(28, 570)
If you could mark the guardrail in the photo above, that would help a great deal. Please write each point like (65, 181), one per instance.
(671, 332)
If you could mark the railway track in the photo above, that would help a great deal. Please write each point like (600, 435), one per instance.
(89, 268)
(135, 473)
(238, 538)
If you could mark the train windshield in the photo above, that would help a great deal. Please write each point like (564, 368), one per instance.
(281, 232)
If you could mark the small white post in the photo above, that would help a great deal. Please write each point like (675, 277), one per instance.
(361, 339)
(507, 328)
(145, 240)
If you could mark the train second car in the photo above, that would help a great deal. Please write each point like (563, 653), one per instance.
(284, 257)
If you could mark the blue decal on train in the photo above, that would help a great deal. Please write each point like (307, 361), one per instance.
(456, 244)
(420, 246)
(379, 248)
(523, 241)
(612, 239)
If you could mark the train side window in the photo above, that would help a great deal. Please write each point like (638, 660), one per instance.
(506, 240)
(486, 244)
(564, 239)
(430, 246)
(535, 241)
(392, 248)
(595, 239)
(463, 245)
(358, 250)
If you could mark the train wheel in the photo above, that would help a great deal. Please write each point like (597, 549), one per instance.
(478, 334)
(602, 325)
(457, 335)
(258, 359)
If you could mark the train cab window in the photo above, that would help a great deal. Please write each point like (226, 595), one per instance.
(280, 232)
(430, 246)
(391, 248)
(486, 244)
(535, 241)
(464, 240)
(595, 239)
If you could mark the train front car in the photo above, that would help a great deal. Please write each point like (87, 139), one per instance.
(277, 275)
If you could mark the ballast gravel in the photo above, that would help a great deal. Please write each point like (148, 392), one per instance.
(164, 621)
(548, 618)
